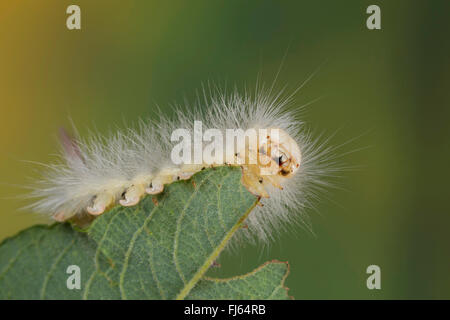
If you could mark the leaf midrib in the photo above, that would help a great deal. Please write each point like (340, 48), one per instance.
(199, 274)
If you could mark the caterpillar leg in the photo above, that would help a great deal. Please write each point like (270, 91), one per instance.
(272, 180)
(253, 182)
(101, 202)
(132, 195)
(164, 177)
(155, 187)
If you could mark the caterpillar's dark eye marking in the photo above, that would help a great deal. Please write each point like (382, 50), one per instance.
(282, 160)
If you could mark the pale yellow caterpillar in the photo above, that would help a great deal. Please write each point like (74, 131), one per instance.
(283, 166)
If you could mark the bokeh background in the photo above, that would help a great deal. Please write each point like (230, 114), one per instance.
(387, 88)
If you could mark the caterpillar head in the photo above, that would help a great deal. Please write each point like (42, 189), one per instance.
(284, 152)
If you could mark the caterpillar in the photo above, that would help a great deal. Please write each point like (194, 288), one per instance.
(284, 168)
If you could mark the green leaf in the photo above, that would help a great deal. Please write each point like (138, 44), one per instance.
(158, 249)
(33, 264)
(266, 282)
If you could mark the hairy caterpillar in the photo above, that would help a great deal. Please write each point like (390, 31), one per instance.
(100, 172)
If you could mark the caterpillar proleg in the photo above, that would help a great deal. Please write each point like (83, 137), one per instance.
(260, 132)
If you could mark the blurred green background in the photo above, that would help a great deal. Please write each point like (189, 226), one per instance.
(388, 87)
